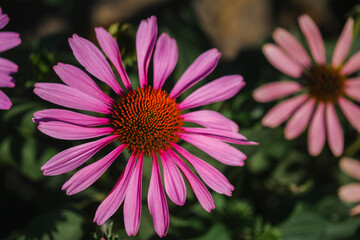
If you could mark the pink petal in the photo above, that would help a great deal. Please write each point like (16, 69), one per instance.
(4, 19)
(132, 203)
(111, 49)
(198, 70)
(74, 157)
(9, 40)
(300, 120)
(355, 210)
(113, 201)
(94, 61)
(211, 176)
(350, 192)
(316, 134)
(351, 111)
(6, 80)
(343, 44)
(281, 60)
(174, 182)
(211, 119)
(350, 166)
(157, 201)
(292, 46)
(352, 65)
(334, 131)
(165, 58)
(215, 91)
(275, 90)
(7, 66)
(89, 174)
(283, 111)
(353, 82)
(197, 186)
(145, 42)
(5, 102)
(67, 131)
(314, 38)
(353, 92)
(219, 150)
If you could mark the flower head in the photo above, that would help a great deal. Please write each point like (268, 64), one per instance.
(146, 121)
(321, 86)
(8, 40)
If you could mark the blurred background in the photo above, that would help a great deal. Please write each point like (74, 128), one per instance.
(281, 192)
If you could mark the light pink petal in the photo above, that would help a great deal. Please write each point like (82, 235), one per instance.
(283, 111)
(5, 102)
(4, 19)
(292, 46)
(352, 65)
(211, 119)
(281, 60)
(316, 134)
(355, 210)
(132, 203)
(300, 120)
(76, 78)
(174, 182)
(343, 44)
(211, 176)
(110, 47)
(113, 201)
(157, 201)
(353, 92)
(7, 66)
(67, 131)
(350, 192)
(219, 150)
(69, 97)
(275, 90)
(9, 40)
(353, 82)
(165, 58)
(6, 80)
(350, 166)
(197, 186)
(145, 42)
(197, 71)
(94, 61)
(74, 157)
(314, 38)
(89, 174)
(351, 111)
(334, 131)
(215, 91)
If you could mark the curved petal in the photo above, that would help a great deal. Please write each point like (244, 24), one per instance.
(351, 111)
(275, 90)
(316, 134)
(314, 38)
(350, 166)
(215, 91)
(211, 119)
(9, 40)
(350, 192)
(197, 71)
(8, 66)
(343, 44)
(352, 65)
(4, 19)
(334, 131)
(5, 102)
(145, 41)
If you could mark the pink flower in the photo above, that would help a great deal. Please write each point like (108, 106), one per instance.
(351, 192)
(320, 88)
(146, 121)
(8, 40)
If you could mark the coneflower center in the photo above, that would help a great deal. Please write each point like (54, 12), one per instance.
(325, 83)
(147, 120)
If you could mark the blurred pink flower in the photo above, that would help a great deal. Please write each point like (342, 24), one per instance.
(321, 86)
(8, 40)
(351, 192)
(146, 121)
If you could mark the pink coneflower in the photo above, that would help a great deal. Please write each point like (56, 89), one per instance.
(351, 192)
(147, 121)
(320, 88)
(8, 40)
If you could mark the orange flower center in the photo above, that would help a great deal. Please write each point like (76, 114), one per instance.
(147, 120)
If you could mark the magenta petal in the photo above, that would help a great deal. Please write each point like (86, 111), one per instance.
(174, 182)
(9, 40)
(5, 102)
(197, 186)
(132, 203)
(113, 201)
(215, 91)
(351, 111)
(7, 66)
(198, 70)
(334, 131)
(211, 176)
(67, 131)
(343, 44)
(94, 61)
(145, 42)
(6, 80)
(157, 201)
(111, 49)
(316, 134)
(219, 150)
(352, 65)
(74, 157)
(275, 90)
(4, 19)
(211, 119)
(89, 174)
(165, 58)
